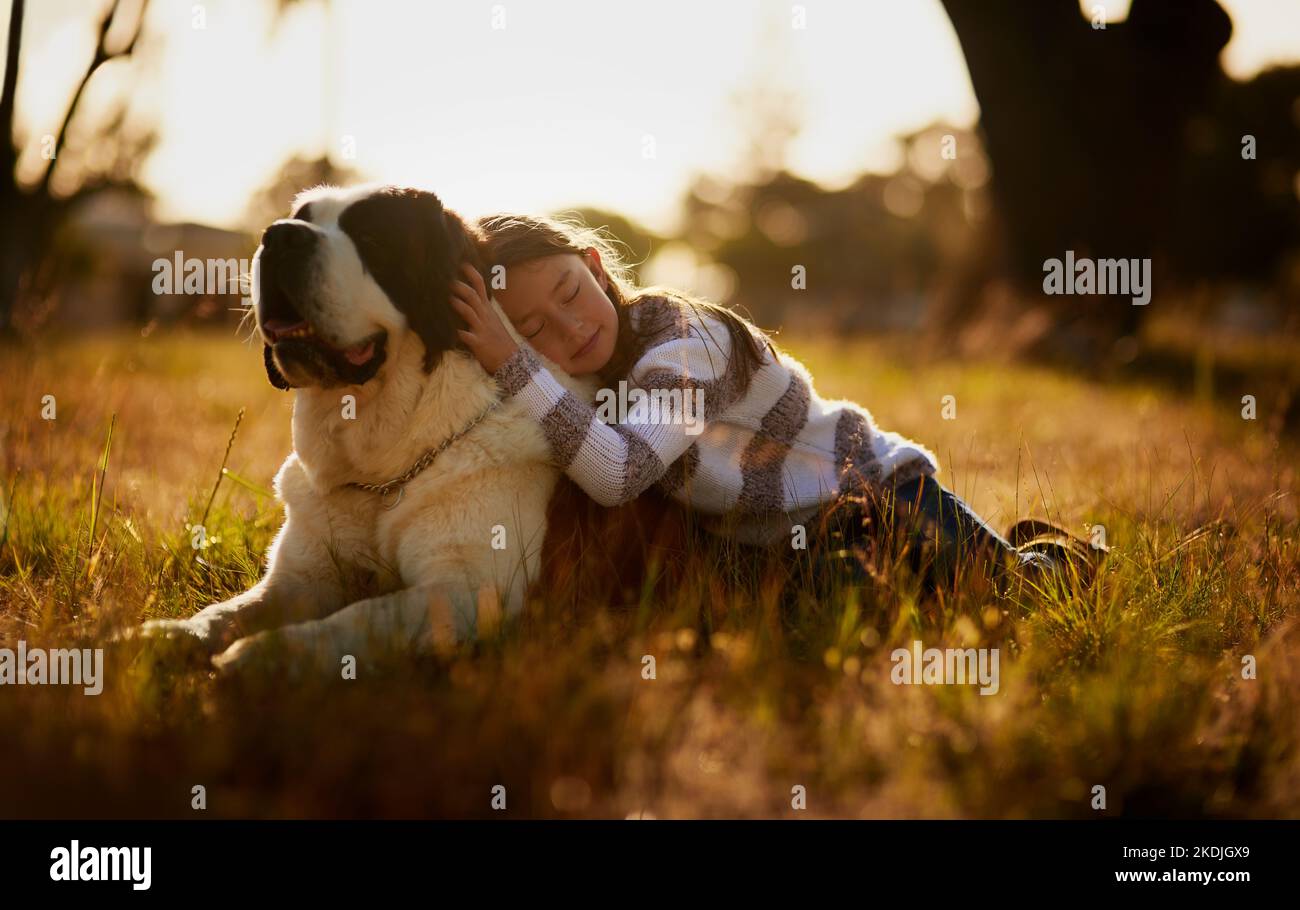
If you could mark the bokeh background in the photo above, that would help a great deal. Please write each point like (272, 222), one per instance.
(722, 142)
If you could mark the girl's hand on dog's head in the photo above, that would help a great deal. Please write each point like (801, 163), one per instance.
(486, 337)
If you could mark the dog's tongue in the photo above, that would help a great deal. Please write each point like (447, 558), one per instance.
(360, 354)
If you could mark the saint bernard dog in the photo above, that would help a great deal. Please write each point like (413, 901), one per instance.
(415, 498)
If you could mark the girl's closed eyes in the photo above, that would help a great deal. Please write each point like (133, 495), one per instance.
(558, 303)
(525, 325)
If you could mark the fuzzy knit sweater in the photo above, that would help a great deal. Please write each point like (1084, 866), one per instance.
(761, 458)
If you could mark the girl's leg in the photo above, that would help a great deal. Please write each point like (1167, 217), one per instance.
(956, 520)
(941, 528)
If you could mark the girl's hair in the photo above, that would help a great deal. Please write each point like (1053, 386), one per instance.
(514, 239)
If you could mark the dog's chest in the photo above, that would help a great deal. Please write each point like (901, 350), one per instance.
(389, 535)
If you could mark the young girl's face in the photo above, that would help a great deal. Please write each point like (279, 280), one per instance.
(558, 303)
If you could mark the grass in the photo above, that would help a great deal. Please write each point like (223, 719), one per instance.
(1135, 686)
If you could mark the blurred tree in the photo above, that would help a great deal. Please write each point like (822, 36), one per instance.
(1085, 128)
(1236, 218)
(271, 202)
(872, 253)
(639, 240)
(30, 214)
(85, 158)
(768, 111)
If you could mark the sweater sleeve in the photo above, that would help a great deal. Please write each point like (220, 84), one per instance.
(683, 383)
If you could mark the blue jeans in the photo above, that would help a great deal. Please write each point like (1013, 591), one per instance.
(936, 529)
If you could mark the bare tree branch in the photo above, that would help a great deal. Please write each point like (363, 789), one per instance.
(8, 152)
(102, 56)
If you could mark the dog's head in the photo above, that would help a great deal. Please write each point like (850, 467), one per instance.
(352, 274)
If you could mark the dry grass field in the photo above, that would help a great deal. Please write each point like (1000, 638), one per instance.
(1135, 686)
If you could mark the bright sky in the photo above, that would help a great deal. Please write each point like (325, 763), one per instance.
(547, 108)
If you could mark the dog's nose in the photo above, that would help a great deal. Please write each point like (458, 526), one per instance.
(288, 236)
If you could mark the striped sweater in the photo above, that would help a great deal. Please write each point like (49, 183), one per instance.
(762, 456)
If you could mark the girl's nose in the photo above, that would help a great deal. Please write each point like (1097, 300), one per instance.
(573, 324)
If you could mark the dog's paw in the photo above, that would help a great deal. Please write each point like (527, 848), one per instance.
(245, 654)
(174, 641)
(277, 653)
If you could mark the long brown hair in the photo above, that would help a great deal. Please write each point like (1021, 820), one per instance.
(514, 239)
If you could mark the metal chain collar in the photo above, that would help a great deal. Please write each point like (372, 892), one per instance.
(399, 483)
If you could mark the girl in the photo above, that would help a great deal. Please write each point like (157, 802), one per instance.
(767, 452)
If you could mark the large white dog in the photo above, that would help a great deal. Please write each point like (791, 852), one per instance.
(415, 500)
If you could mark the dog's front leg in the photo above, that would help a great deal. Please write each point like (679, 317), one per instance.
(301, 582)
(269, 603)
(426, 619)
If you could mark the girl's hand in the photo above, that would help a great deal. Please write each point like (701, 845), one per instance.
(487, 337)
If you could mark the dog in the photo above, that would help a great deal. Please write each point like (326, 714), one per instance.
(415, 498)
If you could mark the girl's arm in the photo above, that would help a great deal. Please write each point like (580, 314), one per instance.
(615, 463)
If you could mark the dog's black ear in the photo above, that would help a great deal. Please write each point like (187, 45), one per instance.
(413, 248)
(429, 311)
(272, 371)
